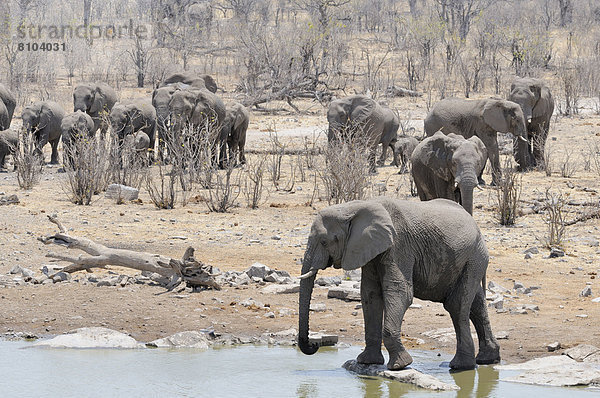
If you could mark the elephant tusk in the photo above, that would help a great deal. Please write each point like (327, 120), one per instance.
(308, 274)
(522, 139)
(479, 187)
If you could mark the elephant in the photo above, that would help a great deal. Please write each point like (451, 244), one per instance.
(97, 100)
(43, 119)
(9, 140)
(405, 248)
(483, 118)
(390, 133)
(447, 166)
(138, 143)
(73, 126)
(357, 117)
(8, 104)
(197, 81)
(160, 100)
(132, 116)
(535, 99)
(200, 108)
(235, 125)
(403, 149)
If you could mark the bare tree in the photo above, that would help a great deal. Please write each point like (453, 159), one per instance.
(140, 55)
(566, 12)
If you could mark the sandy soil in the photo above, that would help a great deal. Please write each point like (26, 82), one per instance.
(233, 241)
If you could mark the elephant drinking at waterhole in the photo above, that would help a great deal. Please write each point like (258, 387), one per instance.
(432, 250)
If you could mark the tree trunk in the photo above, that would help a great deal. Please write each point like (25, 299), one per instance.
(87, 8)
(566, 12)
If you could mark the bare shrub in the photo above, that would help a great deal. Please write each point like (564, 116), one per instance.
(225, 190)
(508, 192)
(554, 207)
(28, 164)
(570, 88)
(595, 157)
(277, 151)
(162, 185)
(346, 174)
(87, 169)
(569, 164)
(253, 185)
(125, 164)
(549, 151)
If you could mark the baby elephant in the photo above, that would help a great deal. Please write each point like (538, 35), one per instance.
(403, 149)
(137, 145)
(8, 143)
(447, 166)
(235, 125)
(74, 126)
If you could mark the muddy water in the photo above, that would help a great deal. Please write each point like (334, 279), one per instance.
(247, 371)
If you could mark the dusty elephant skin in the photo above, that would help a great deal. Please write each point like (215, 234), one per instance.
(73, 126)
(7, 107)
(447, 166)
(97, 100)
(43, 119)
(235, 128)
(403, 249)
(128, 118)
(483, 118)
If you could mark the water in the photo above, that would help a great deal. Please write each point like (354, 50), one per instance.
(246, 371)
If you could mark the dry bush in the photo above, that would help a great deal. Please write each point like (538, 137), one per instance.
(126, 166)
(28, 164)
(346, 174)
(570, 88)
(162, 185)
(254, 184)
(508, 192)
(554, 207)
(595, 157)
(548, 163)
(569, 163)
(276, 151)
(225, 190)
(87, 171)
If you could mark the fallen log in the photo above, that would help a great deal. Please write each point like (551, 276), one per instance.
(584, 217)
(194, 273)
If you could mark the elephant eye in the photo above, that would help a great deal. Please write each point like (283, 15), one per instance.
(324, 242)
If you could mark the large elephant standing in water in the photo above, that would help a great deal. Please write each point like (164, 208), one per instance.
(43, 120)
(97, 100)
(483, 118)
(404, 248)
(536, 101)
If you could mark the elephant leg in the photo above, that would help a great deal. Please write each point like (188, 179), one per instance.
(383, 156)
(54, 156)
(491, 144)
(489, 350)
(397, 297)
(241, 152)
(372, 306)
(372, 162)
(458, 304)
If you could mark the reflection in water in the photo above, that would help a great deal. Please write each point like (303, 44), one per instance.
(487, 381)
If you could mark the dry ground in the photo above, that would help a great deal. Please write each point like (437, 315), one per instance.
(235, 240)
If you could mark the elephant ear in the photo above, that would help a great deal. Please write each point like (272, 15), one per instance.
(437, 155)
(541, 103)
(493, 115)
(481, 150)
(97, 100)
(361, 108)
(370, 233)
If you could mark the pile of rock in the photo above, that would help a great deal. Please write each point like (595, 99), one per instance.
(256, 273)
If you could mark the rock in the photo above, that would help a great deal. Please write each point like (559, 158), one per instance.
(596, 300)
(187, 339)
(531, 307)
(108, 281)
(61, 277)
(121, 192)
(16, 270)
(258, 270)
(553, 346)
(415, 306)
(556, 252)
(523, 290)
(581, 315)
(322, 339)
(518, 311)
(242, 279)
(353, 275)
(39, 279)
(276, 237)
(252, 304)
(9, 200)
(344, 293)
(281, 289)
(328, 281)
(409, 376)
(532, 250)
(270, 314)
(496, 288)
(581, 352)
(518, 285)
(282, 277)
(51, 268)
(497, 303)
(528, 256)
(318, 307)
(586, 292)
(94, 337)
(502, 335)
(557, 370)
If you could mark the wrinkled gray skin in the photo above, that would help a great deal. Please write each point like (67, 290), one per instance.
(197, 107)
(7, 107)
(536, 101)
(447, 166)
(403, 149)
(404, 248)
(389, 134)
(8, 143)
(160, 100)
(357, 115)
(235, 126)
(483, 118)
(196, 81)
(74, 125)
(43, 119)
(97, 100)
(129, 117)
(139, 144)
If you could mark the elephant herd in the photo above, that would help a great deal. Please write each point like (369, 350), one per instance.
(181, 100)
(432, 249)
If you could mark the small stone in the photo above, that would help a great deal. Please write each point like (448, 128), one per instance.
(586, 292)
(258, 270)
(556, 252)
(532, 250)
(553, 346)
(502, 335)
(276, 237)
(415, 306)
(497, 303)
(328, 281)
(596, 300)
(121, 192)
(518, 285)
(318, 307)
(496, 288)
(528, 256)
(581, 316)
(61, 277)
(178, 237)
(531, 307)
(270, 314)
(518, 311)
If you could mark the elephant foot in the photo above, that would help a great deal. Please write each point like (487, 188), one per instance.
(399, 361)
(462, 362)
(370, 356)
(488, 356)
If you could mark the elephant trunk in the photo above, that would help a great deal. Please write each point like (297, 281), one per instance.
(306, 289)
(466, 184)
